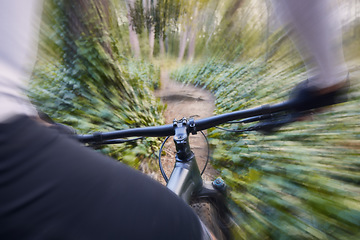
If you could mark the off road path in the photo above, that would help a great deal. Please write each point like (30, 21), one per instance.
(185, 101)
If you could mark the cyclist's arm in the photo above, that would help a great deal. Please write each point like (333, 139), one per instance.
(19, 24)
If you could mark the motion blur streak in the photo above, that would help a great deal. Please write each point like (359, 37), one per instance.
(99, 62)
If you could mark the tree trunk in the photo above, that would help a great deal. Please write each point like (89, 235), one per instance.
(182, 45)
(78, 16)
(161, 45)
(151, 40)
(192, 41)
(133, 37)
(192, 34)
(149, 7)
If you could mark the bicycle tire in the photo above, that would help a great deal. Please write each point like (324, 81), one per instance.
(208, 215)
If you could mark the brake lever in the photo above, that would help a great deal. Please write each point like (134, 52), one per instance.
(273, 124)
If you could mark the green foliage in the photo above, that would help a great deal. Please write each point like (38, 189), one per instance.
(87, 109)
(87, 82)
(299, 183)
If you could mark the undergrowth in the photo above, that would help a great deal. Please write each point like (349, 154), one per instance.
(301, 182)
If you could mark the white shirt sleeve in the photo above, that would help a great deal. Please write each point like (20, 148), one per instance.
(19, 24)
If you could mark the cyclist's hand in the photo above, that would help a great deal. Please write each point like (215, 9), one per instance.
(306, 97)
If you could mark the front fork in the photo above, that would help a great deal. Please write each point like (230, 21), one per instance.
(216, 194)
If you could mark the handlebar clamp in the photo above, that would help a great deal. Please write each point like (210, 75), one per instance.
(192, 126)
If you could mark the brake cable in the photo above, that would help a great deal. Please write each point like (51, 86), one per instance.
(275, 122)
(160, 165)
(208, 155)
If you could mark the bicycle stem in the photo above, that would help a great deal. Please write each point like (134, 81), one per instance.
(181, 140)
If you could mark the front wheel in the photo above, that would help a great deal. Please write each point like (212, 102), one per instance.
(210, 217)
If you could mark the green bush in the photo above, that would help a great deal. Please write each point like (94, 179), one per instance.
(84, 80)
(84, 106)
(299, 183)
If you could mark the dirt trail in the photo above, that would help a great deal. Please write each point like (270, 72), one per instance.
(185, 101)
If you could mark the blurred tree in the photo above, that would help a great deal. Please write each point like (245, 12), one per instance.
(165, 18)
(86, 18)
(133, 37)
(156, 17)
(150, 9)
(191, 21)
(85, 76)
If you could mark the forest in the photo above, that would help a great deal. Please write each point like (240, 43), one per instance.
(99, 63)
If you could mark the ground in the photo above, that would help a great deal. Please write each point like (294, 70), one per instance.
(185, 101)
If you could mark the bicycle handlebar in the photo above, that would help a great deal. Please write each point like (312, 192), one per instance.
(201, 124)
